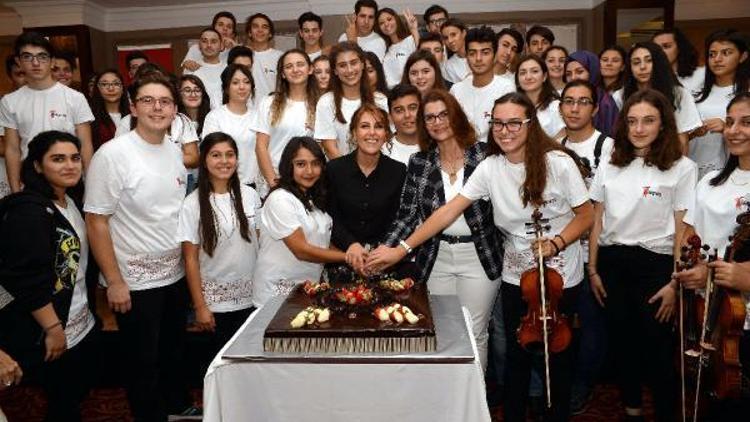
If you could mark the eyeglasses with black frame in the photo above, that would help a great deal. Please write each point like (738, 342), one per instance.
(150, 101)
(582, 102)
(41, 57)
(512, 125)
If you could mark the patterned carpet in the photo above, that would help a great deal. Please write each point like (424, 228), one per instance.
(27, 404)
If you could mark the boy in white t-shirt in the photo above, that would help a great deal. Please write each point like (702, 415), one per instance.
(509, 43)
(42, 104)
(311, 34)
(259, 30)
(225, 23)
(360, 28)
(477, 94)
(403, 103)
(211, 65)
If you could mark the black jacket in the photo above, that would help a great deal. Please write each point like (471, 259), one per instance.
(39, 256)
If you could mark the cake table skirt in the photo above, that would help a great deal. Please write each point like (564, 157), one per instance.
(261, 388)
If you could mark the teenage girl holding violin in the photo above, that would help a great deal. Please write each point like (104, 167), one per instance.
(720, 197)
(538, 174)
(641, 195)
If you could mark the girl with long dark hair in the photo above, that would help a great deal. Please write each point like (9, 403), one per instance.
(194, 102)
(423, 71)
(648, 67)
(538, 174)
(532, 79)
(49, 326)
(349, 90)
(612, 63)
(217, 228)
(375, 74)
(682, 57)
(401, 39)
(109, 104)
(555, 58)
(640, 198)
(295, 229)
(727, 74)
(288, 112)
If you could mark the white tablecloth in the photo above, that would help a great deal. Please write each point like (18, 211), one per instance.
(236, 390)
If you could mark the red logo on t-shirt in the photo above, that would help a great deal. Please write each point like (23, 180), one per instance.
(740, 202)
(648, 192)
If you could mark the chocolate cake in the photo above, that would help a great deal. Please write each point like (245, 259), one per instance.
(353, 327)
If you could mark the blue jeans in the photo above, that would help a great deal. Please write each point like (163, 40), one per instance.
(497, 339)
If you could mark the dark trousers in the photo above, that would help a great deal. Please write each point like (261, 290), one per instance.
(227, 323)
(68, 379)
(592, 340)
(153, 336)
(519, 362)
(643, 348)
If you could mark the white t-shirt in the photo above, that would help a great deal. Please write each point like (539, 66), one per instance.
(550, 119)
(264, 71)
(456, 69)
(686, 115)
(399, 151)
(372, 42)
(116, 117)
(694, 82)
(640, 202)
(326, 125)
(194, 54)
(459, 227)
(210, 75)
(181, 132)
(395, 59)
(715, 211)
(80, 319)
(314, 55)
(31, 111)
(227, 277)
(278, 270)
(293, 123)
(510, 76)
(239, 127)
(4, 186)
(477, 102)
(141, 187)
(708, 151)
(565, 190)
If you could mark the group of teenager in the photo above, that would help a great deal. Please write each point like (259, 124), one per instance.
(211, 193)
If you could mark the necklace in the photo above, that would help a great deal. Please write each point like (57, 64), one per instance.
(452, 167)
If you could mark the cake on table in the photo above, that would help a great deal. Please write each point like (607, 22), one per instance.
(388, 315)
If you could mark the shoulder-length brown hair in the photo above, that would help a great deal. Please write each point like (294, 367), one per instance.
(464, 132)
(548, 93)
(381, 116)
(430, 59)
(365, 94)
(538, 144)
(665, 149)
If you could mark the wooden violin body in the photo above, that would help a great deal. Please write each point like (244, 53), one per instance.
(530, 332)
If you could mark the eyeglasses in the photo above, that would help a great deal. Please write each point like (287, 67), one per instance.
(28, 57)
(512, 126)
(107, 85)
(191, 91)
(437, 21)
(150, 101)
(434, 118)
(583, 102)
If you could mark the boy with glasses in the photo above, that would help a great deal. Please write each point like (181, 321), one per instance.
(43, 104)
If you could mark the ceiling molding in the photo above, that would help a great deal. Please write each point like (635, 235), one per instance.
(196, 13)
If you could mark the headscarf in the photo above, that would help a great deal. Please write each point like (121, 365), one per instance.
(606, 117)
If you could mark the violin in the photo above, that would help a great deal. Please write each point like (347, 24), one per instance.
(543, 326)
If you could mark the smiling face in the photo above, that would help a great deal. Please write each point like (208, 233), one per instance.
(437, 122)
(311, 33)
(454, 38)
(387, 23)
(260, 30)
(221, 162)
(61, 165)
(644, 124)
(370, 134)
(404, 114)
(191, 95)
(322, 73)
(62, 72)
(422, 76)
(481, 58)
(737, 129)
(110, 87)
(641, 65)
(513, 144)
(225, 26)
(724, 58)
(239, 88)
(306, 169)
(555, 61)
(157, 115)
(530, 76)
(575, 71)
(365, 21)
(611, 64)
(349, 68)
(296, 69)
